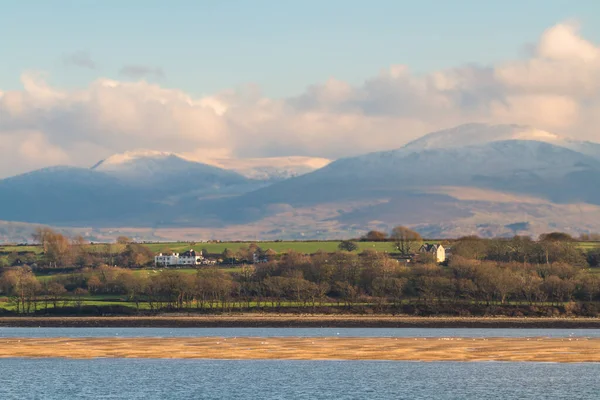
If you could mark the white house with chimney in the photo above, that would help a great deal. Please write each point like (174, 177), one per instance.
(190, 257)
(437, 250)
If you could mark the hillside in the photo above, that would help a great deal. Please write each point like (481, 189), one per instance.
(471, 179)
(483, 179)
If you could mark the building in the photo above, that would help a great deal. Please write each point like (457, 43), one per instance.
(257, 259)
(166, 259)
(190, 257)
(437, 250)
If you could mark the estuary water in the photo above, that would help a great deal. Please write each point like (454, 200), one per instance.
(294, 332)
(59, 379)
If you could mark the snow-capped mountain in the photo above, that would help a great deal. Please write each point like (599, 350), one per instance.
(272, 168)
(479, 134)
(154, 167)
(126, 160)
(466, 155)
(423, 181)
(475, 178)
(143, 163)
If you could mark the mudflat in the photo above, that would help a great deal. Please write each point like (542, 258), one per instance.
(322, 348)
(300, 320)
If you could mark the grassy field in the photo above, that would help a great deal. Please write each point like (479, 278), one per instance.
(214, 248)
(588, 245)
(307, 247)
(280, 247)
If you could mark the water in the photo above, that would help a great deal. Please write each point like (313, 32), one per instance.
(293, 332)
(59, 379)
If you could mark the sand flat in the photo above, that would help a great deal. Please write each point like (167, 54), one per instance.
(322, 348)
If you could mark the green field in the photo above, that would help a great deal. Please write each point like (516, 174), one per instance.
(280, 247)
(307, 247)
(213, 248)
(18, 249)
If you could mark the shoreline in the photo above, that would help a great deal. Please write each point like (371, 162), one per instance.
(298, 321)
(565, 350)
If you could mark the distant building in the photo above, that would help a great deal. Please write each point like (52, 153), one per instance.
(166, 259)
(257, 259)
(190, 257)
(437, 250)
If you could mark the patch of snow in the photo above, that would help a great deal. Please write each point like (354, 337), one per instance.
(118, 160)
(271, 168)
(477, 134)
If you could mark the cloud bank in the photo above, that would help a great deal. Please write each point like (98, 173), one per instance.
(557, 88)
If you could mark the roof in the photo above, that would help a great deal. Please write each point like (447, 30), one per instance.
(190, 253)
(429, 248)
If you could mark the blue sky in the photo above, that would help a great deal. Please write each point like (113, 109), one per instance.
(281, 46)
(335, 78)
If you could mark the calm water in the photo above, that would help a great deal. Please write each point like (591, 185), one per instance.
(298, 332)
(59, 379)
(211, 379)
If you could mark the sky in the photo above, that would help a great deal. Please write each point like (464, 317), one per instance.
(81, 79)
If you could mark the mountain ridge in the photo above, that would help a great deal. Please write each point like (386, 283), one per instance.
(539, 170)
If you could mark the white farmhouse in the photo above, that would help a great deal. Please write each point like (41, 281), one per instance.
(166, 259)
(437, 250)
(190, 257)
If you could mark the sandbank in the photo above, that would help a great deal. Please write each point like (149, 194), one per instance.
(564, 350)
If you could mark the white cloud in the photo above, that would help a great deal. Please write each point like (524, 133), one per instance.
(562, 42)
(556, 88)
(30, 149)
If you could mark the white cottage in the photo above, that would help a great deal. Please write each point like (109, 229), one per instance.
(190, 257)
(437, 250)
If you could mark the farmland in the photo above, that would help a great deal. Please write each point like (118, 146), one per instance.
(308, 247)
(212, 248)
(73, 276)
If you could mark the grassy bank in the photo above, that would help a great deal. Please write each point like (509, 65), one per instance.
(300, 321)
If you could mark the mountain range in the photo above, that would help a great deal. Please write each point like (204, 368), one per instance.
(472, 179)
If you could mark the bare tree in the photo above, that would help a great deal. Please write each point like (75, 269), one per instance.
(406, 240)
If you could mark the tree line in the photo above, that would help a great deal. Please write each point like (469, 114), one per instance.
(341, 279)
(551, 272)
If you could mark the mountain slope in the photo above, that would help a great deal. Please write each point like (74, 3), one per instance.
(167, 171)
(517, 166)
(497, 160)
(475, 178)
(135, 188)
(272, 168)
(63, 195)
